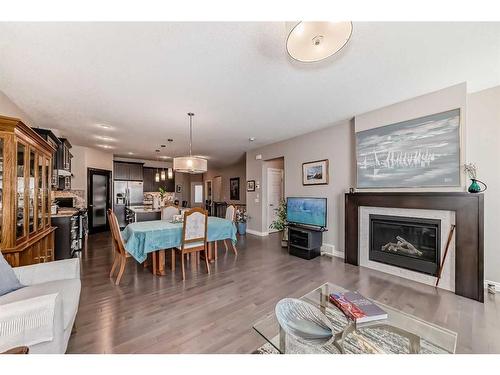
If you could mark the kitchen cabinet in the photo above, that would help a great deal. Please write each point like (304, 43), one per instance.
(127, 171)
(26, 233)
(64, 155)
(151, 185)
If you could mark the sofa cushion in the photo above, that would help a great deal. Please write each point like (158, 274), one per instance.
(68, 289)
(8, 279)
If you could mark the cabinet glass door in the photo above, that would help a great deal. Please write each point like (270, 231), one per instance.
(39, 194)
(20, 201)
(47, 200)
(1, 187)
(31, 199)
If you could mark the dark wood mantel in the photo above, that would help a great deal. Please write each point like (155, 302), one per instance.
(469, 220)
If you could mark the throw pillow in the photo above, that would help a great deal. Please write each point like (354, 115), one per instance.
(8, 279)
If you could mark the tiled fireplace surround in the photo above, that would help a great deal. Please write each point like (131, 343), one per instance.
(464, 269)
(447, 218)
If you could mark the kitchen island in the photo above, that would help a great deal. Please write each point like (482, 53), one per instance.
(142, 213)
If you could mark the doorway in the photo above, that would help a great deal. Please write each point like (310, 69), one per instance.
(98, 198)
(274, 194)
(197, 194)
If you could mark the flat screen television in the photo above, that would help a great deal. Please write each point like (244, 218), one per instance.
(306, 211)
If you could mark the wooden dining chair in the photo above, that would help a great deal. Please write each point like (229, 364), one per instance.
(168, 212)
(121, 255)
(230, 215)
(194, 237)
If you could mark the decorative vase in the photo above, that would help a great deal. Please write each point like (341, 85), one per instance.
(284, 238)
(242, 228)
(475, 187)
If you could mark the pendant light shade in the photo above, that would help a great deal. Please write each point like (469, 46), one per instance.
(315, 41)
(170, 173)
(162, 174)
(190, 164)
(157, 177)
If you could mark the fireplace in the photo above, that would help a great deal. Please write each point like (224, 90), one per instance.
(406, 242)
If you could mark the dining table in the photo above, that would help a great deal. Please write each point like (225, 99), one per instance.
(155, 236)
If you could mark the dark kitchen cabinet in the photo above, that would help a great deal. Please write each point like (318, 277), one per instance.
(128, 171)
(51, 138)
(151, 185)
(64, 155)
(135, 172)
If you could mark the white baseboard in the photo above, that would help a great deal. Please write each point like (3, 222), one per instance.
(496, 283)
(329, 250)
(256, 233)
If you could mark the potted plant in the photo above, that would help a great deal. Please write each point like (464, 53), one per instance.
(163, 193)
(241, 221)
(280, 223)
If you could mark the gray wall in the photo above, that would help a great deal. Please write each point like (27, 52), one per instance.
(236, 170)
(334, 143)
(480, 144)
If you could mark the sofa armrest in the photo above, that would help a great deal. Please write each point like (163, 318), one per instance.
(30, 321)
(50, 271)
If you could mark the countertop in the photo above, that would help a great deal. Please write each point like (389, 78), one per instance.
(144, 209)
(65, 212)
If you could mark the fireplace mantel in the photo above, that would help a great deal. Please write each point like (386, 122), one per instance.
(469, 216)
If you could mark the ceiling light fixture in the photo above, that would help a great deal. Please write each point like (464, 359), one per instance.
(170, 173)
(190, 164)
(251, 139)
(315, 41)
(105, 146)
(104, 126)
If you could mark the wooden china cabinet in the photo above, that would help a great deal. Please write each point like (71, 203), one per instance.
(26, 233)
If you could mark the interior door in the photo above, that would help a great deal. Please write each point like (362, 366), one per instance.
(197, 194)
(274, 194)
(98, 198)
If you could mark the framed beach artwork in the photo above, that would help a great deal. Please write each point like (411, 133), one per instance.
(423, 152)
(315, 172)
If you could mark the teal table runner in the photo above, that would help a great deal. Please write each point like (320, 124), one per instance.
(147, 236)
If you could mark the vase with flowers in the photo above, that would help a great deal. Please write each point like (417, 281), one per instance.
(241, 221)
(475, 186)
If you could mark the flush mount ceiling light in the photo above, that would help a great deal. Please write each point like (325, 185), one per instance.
(190, 164)
(315, 41)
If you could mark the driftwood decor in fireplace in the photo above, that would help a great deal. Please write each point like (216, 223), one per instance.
(469, 247)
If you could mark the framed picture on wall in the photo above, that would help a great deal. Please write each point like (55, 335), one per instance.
(422, 152)
(178, 189)
(315, 172)
(251, 185)
(234, 189)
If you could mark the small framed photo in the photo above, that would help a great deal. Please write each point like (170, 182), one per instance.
(251, 185)
(315, 172)
(178, 189)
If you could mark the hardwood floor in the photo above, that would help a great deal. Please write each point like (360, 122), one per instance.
(214, 313)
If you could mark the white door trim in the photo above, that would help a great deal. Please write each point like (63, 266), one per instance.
(268, 218)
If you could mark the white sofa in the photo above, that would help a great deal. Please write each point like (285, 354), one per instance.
(41, 315)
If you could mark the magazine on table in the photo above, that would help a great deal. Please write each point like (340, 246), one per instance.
(357, 308)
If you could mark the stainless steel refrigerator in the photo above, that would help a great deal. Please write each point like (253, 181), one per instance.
(126, 193)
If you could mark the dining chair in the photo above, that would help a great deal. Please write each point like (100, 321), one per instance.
(231, 215)
(168, 212)
(121, 255)
(194, 237)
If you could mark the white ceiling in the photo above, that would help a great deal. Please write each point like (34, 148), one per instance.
(142, 79)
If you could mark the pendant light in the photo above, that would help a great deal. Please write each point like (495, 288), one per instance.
(170, 173)
(162, 175)
(157, 176)
(190, 164)
(315, 41)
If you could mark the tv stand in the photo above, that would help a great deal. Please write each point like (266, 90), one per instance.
(305, 242)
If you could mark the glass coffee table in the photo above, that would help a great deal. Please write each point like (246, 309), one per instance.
(400, 333)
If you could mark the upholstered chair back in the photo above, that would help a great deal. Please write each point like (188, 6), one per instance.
(195, 225)
(167, 213)
(230, 212)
